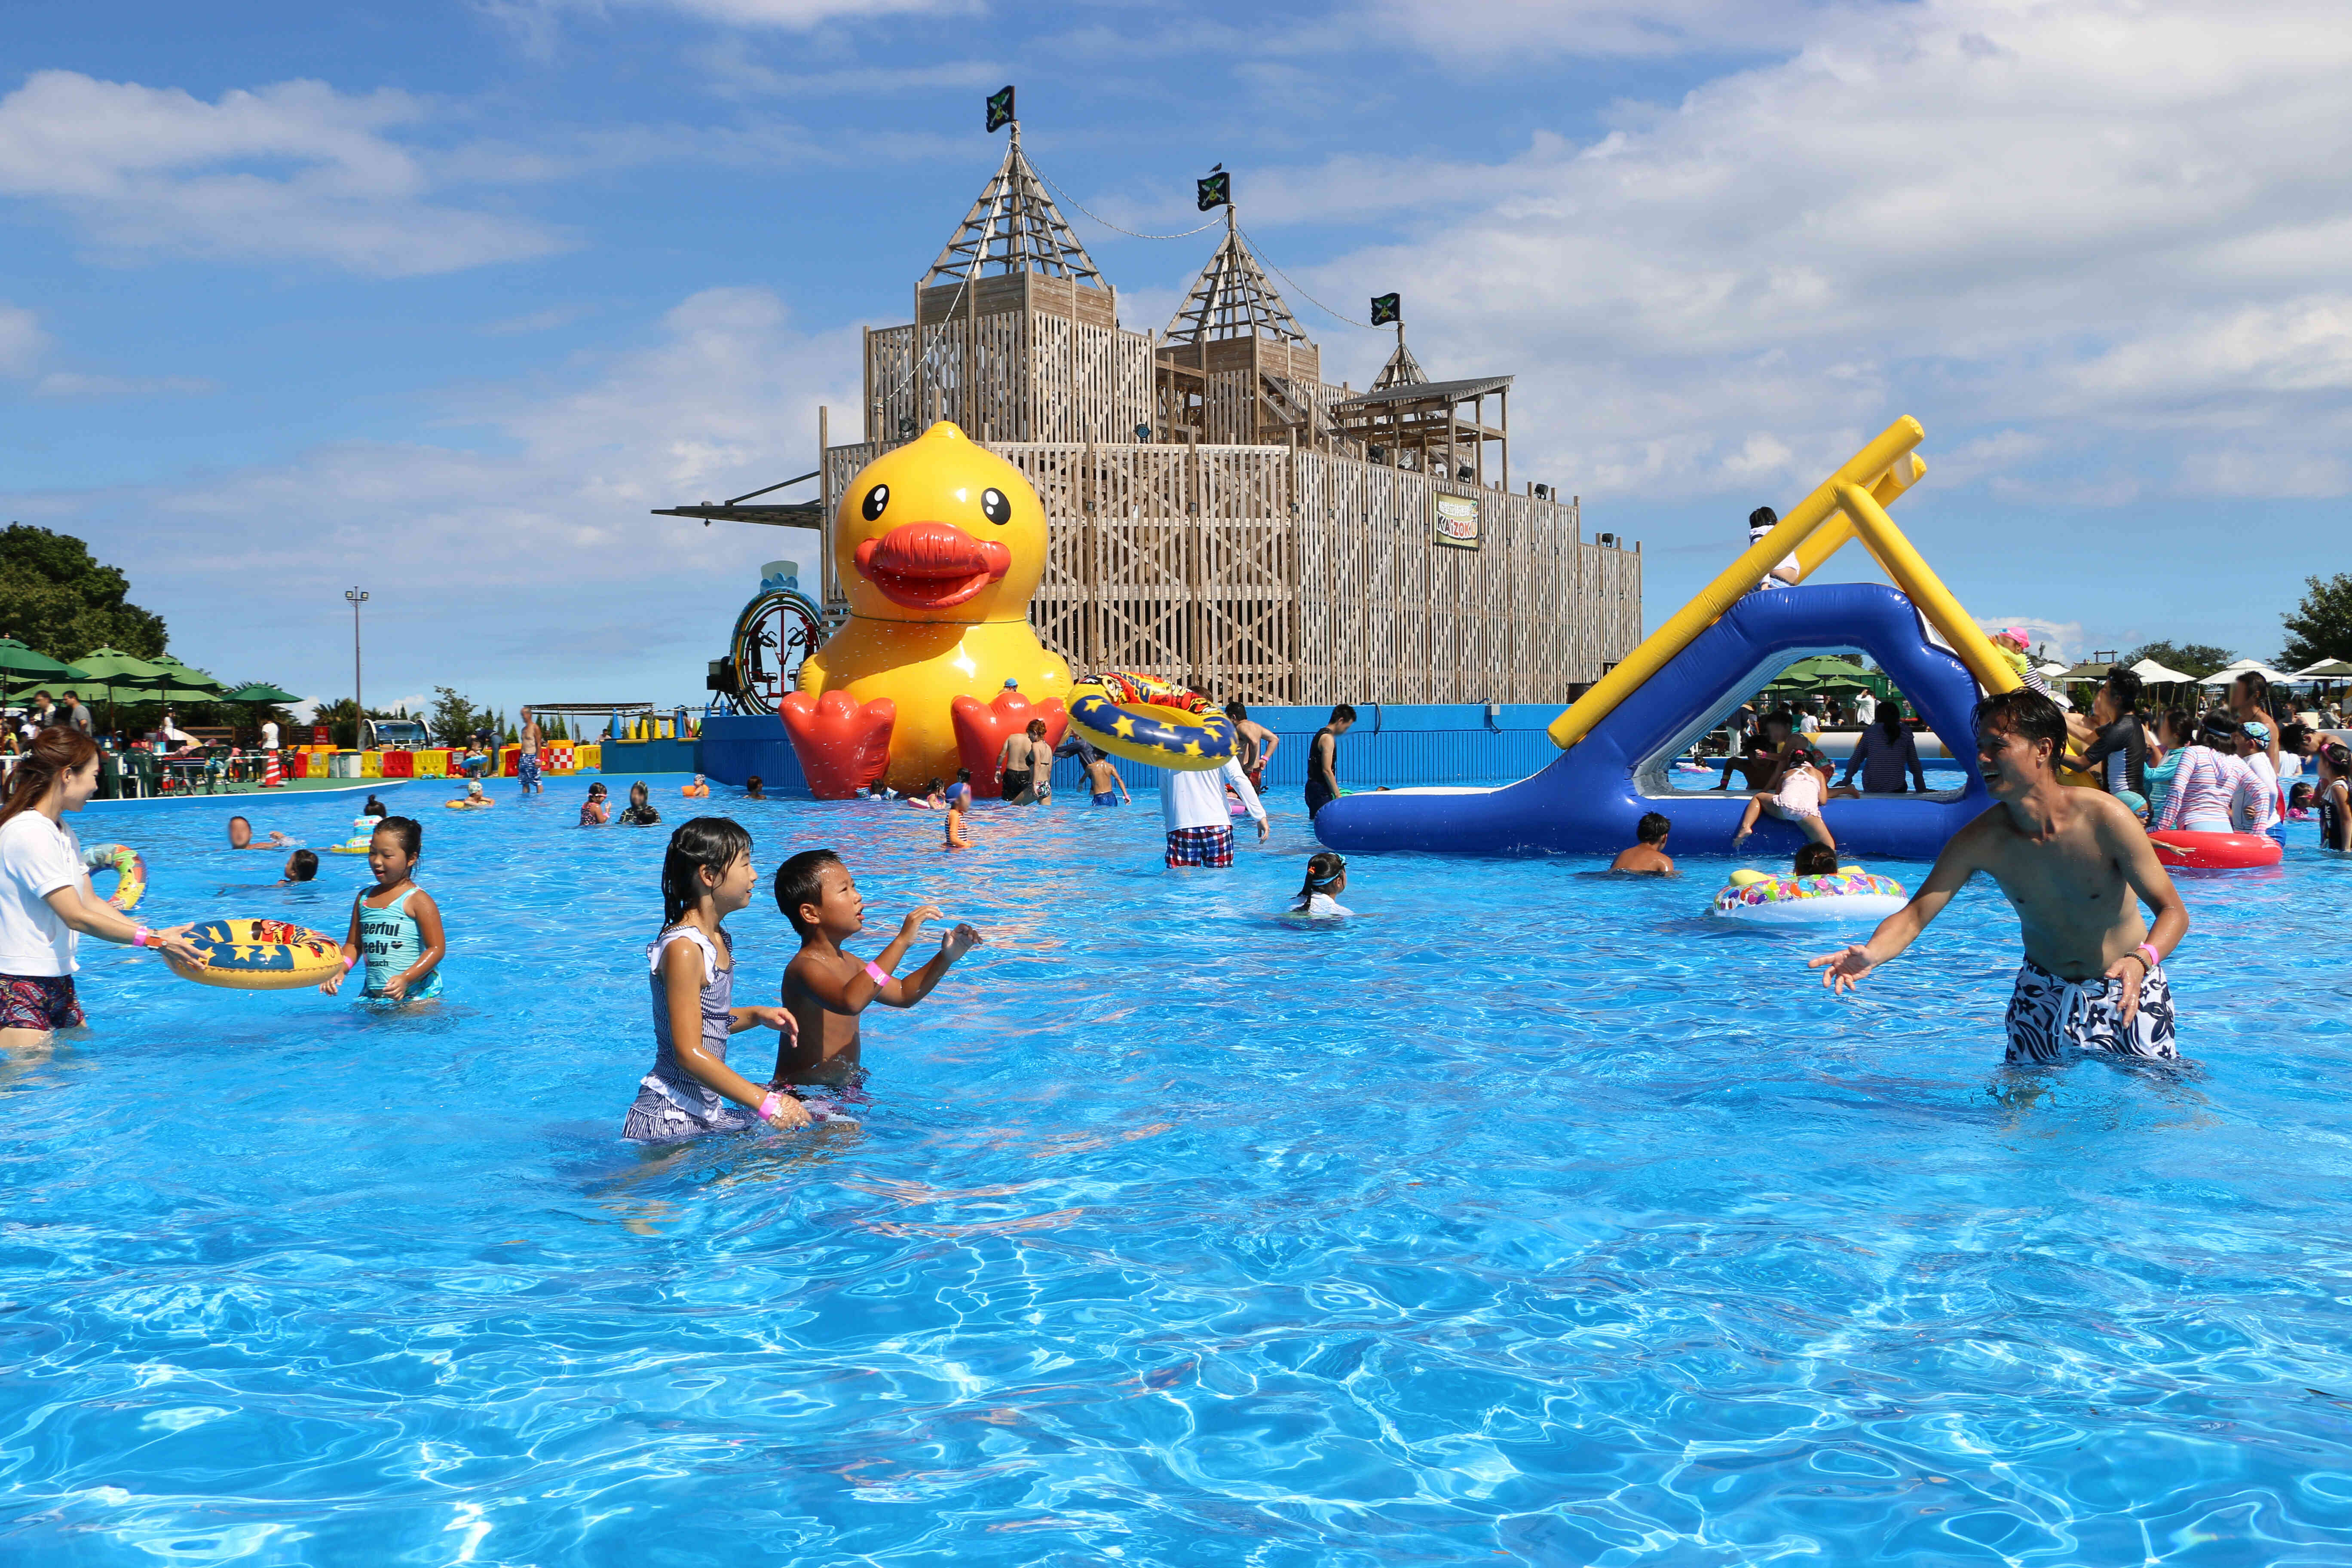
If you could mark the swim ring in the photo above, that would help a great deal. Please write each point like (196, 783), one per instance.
(2216, 851)
(1850, 894)
(261, 956)
(130, 872)
(362, 834)
(1146, 719)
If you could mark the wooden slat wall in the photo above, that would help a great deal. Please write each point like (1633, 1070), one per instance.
(1297, 577)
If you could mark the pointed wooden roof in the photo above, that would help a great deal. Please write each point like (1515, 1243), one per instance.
(1013, 228)
(1403, 369)
(1232, 298)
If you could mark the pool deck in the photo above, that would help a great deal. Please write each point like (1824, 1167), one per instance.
(250, 795)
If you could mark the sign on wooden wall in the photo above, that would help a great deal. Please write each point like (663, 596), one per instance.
(1457, 522)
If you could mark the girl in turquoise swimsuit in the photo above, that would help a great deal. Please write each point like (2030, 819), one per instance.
(396, 925)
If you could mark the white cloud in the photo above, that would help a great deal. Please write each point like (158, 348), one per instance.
(535, 512)
(2072, 225)
(1488, 30)
(292, 170)
(67, 385)
(22, 341)
(533, 21)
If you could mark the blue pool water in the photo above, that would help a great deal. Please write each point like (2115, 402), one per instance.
(1528, 1218)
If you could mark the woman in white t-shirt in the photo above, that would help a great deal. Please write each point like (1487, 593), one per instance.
(46, 899)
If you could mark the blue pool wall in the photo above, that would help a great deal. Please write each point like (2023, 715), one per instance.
(1392, 744)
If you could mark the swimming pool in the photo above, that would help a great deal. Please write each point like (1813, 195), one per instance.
(1528, 1217)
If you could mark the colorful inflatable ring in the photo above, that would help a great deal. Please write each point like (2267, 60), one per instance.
(261, 955)
(2216, 851)
(130, 872)
(1850, 894)
(1146, 719)
(362, 834)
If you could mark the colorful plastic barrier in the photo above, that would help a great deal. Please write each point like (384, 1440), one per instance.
(398, 764)
(432, 764)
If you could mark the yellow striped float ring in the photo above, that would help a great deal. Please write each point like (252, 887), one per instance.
(130, 872)
(1146, 719)
(362, 834)
(261, 956)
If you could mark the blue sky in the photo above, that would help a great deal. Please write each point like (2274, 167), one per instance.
(440, 298)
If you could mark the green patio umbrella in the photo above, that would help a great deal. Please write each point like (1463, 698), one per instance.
(193, 679)
(261, 692)
(22, 664)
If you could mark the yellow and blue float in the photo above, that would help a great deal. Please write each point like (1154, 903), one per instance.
(130, 872)
(1850, 893)
(261, 956)
(362, 834)
(1146, 719)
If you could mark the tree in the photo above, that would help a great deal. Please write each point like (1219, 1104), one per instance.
(2194, 659)
(455, 718)
(62, 601)
(2321, 626)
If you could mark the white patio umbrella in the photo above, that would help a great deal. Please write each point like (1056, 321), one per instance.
(2155, 674)
(2224, 676)
(2053, 668)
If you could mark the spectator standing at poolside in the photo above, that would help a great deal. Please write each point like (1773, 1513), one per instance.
(1192, 809)
(39, 715)
(1253, 743)
(1322, 765)
(1885, 752)
(1866, 707)
(73, 715)
(1761, 522)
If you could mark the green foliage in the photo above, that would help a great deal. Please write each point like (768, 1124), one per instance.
(2195, 660)
(455, 718)
(63, 602)
(2321, 626)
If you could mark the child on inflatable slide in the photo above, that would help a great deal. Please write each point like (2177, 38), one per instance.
(1794, 794)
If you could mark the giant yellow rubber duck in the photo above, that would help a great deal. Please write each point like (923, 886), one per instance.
(939, 546)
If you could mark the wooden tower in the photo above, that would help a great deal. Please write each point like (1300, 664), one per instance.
(1235, 367)
(1016, 333)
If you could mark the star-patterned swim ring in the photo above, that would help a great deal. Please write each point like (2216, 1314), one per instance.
(261, 956)
(1146, 719)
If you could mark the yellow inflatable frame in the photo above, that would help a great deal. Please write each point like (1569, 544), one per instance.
(1850, 503)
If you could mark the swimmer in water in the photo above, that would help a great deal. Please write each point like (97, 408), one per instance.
(400, 933)
(300, 867)
(1648, 858)
(1815, 860)
(240, 836)
(1319, 896)
(1102, 779)
(707, 876)
(958, 804)
(2076, 867)
(826, 988)
(473, 799)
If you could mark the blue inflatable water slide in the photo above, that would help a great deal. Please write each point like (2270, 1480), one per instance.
(1621, 740)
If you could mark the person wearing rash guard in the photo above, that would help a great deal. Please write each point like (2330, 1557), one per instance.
(2208, 781)
(2261, 809)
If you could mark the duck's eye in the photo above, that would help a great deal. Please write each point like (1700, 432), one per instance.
(876, 500)
(996, 508)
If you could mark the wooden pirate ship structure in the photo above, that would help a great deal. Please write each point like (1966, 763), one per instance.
(1220, 513)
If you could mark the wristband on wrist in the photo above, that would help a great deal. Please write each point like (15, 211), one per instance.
(2147, 956)
(354, 958)
(768, 1106)
(140, 936)
(881, 975)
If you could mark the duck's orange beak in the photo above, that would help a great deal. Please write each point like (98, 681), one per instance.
(931, 565)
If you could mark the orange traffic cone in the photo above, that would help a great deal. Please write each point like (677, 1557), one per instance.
(271, 778)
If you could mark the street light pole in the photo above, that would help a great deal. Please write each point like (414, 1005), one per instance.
(359, 710)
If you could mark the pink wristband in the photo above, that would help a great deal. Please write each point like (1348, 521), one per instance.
(2147, 955)
(349, 962)
(139, 937)
(768, 1106)
(881, 975)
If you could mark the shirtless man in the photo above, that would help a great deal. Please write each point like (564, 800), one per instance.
(825, 988)
(527, 760)
(1254, 744)
(1323, 759)
(2076, 867)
